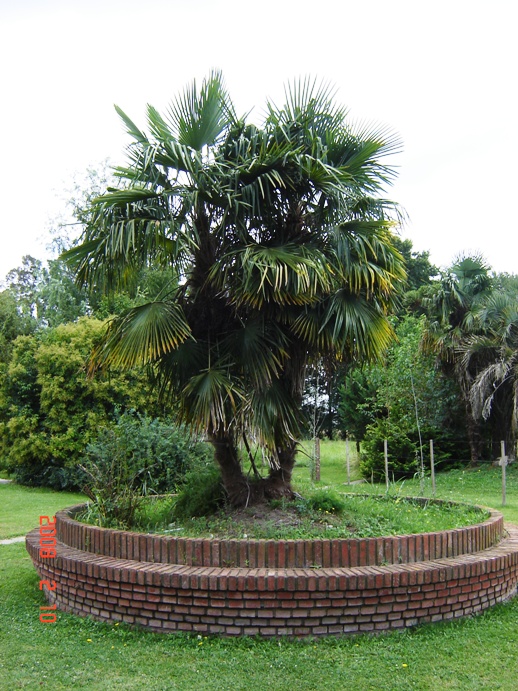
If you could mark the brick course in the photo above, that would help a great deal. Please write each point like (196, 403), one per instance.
(277, 553)
(265, 588)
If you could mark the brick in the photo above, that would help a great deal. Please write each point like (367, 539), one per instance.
(282, 554)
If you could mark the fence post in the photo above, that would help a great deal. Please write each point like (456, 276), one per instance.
(317, 459)
(432, 467)
(503, 463)
(347, 460)
(385, 451)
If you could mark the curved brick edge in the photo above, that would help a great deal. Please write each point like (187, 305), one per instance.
(277, 602)
(278, 553)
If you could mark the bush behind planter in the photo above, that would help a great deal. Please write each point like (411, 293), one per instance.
(201, 493)
(136, 457)
(402, 452)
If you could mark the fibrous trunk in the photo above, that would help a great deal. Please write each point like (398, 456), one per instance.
(278, 482)
(242, 490)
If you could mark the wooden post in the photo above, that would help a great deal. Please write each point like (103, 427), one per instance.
(503, 463)
(432, 467)
(347, 461)
(385, 451)
(317, 459)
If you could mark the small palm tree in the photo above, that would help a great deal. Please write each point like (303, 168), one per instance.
(451, 320)
(281, 251)
(494, 391)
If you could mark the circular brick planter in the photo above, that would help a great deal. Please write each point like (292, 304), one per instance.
(276, 588)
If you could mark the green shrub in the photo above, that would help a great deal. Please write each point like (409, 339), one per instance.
(154, 514)
(402, 452)
(50, 410)
(201, 494)
(55, 477)
(114, 489)
(326, 500)
(157, 449)
(135, 457)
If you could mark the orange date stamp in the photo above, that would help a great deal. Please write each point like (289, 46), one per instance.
(48, 543)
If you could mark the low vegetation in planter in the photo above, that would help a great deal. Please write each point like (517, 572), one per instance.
(320, 515)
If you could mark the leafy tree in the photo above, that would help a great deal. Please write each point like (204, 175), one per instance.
(359, 405)
(320, 404)
(24, 283)
(61, 301)
(44, 296)
(12, 324)
(420, 271)
(20, 440)
(407, 390)
(283, 250)
(50, 410)
(402, 451)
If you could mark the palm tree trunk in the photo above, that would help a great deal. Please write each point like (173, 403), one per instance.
(240, 491)
(472, 423)
(474, 437)
(244, 491)
(278, 483)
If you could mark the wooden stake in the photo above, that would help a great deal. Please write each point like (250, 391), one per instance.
(347, 461)
(432, 467)
(385, 450)
(503, 463)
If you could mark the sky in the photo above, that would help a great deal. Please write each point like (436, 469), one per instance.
(441, 74)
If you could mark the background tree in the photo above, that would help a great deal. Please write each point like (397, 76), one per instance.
(356, 386)
(12, 324)
(50, 411)
(24, 284)
(358, 404)
(406, 400)
(419, 269)
(494, 349)
(283, 251)
(451, 309)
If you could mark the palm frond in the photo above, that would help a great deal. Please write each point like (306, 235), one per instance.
(288, 274)
(199, 118)
(131, 128)
(210, 400)
(142, 336)
(260, 349)
(276, 417)
(345, 325)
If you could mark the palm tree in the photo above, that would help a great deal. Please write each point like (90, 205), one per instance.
(494, 391)
(281, 250)
(451, 320)
(321, 264)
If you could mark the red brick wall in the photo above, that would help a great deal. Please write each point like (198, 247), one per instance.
(273, 600)
(278, 553)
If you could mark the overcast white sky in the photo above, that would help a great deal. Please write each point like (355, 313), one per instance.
(443, 74)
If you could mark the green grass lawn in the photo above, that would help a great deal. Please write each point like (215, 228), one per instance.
(481, 485)
(333, 463)
(21, 507)
(74, 653)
